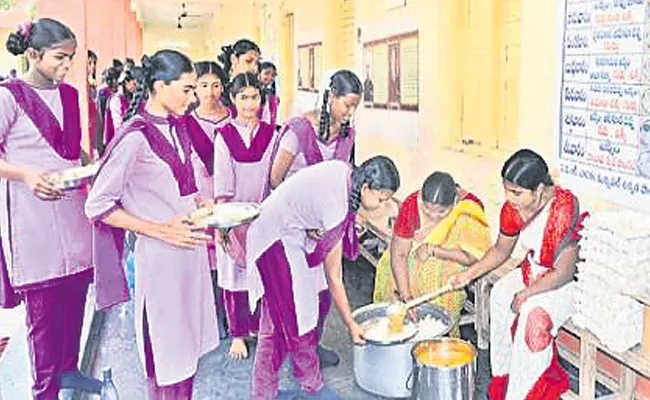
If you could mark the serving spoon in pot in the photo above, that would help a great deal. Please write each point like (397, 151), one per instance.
(396, 312)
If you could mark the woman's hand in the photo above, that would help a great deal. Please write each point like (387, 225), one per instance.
(205, 203)
(460, 280)
(220, 236)
(181, 234)
(426, 251)
(42, 188)
(316, 234)
(519, 299)
(405, 298)
(357, 334)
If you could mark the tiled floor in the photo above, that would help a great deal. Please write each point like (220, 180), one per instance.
(220, 378)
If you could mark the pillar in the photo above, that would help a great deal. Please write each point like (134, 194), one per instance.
(74, 16)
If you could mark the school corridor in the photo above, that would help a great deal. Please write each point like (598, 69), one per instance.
(441, 85)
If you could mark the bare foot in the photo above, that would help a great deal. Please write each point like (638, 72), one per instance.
(238, 349)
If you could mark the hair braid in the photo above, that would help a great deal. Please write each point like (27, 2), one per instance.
(139, 96)
(324, 123)
(344, 130)
(358, 179)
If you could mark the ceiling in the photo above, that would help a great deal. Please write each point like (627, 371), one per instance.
(166, 12)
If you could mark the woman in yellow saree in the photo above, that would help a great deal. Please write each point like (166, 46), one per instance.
(439, 231)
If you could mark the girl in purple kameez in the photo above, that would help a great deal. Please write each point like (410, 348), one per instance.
(118, 103)
(315, 137)
(243, 154)
(202, 124)
(294, 265)
(239, 58)
(146, 185)
(40, 131)
(110, 86)
(320, 135)
(269, 111)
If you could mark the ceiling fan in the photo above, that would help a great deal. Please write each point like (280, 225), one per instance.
(185, 14)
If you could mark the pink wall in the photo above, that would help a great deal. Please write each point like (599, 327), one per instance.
(113, 31)
(13, 17)
(117, 32)
(105, 26)
(133, 26)
(99, 25)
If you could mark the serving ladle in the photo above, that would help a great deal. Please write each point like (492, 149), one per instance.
(396, 312)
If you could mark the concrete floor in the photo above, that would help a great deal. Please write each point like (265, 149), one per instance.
(220, 378)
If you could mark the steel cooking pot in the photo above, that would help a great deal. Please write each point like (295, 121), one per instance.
(384, 368)
(443, 369)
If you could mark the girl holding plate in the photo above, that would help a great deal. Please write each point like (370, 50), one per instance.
(40, 131)
(146, 185)
(242, 163)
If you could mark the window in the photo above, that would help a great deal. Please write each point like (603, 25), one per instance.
(391, 76)
(310, 66)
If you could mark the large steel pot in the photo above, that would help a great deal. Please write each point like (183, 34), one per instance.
(443, 369)
(384, 369)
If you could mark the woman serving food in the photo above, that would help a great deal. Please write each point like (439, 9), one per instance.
(440, 230)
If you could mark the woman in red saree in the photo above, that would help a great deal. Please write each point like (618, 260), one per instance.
(530, 304)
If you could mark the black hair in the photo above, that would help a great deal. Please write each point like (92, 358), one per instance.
(342, 83)
(93, 56)
(132, 74)
(242, 46)
(266, 65)
(210, 67)
(242, 81)
(129, 63)
(110, 76)
(379, 173)
(40, 35)
(439, 188)
(166, 66)
(268, 90)
(526, 169)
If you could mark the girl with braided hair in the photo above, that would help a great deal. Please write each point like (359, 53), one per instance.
(110, 77)
(269, 112)
(146, 185)
(323, 134)
(239, 58)
(119, 103)
(289, 266)
(317, 136)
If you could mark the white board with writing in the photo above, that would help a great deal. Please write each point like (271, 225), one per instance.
(604, 124)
